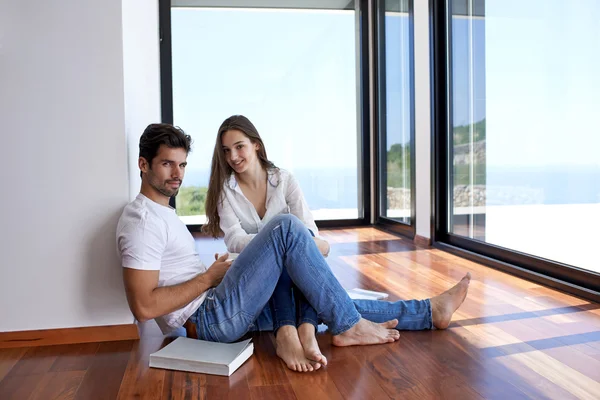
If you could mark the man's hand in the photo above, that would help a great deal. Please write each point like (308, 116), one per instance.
(217, 270)
(148, 301)
(323, 246)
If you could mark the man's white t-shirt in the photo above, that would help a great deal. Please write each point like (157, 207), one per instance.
(151, 236)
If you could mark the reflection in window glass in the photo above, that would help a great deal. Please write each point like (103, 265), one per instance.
(397, 106)
(525, 136)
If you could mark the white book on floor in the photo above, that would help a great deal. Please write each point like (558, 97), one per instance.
(363, 294)
(184, 354)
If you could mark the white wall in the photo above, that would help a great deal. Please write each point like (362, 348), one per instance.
(64, 163)
(141, 64)
(422, 119)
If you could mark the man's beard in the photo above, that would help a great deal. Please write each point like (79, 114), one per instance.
(164, 191)
(169, 193)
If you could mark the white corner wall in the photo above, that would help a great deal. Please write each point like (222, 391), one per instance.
(422, 119)
(141, 69)
(64, 175)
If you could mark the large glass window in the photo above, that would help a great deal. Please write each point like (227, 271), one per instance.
(395, 111)
(293, 72)
(523, 155)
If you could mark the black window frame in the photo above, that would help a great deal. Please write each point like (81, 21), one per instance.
(379, 49)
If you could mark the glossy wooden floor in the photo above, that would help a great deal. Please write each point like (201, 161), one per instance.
(511, 339)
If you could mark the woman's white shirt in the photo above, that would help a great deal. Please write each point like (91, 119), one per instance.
(240, 221)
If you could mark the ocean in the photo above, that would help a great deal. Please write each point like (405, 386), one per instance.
(322, 188)
(338, 187)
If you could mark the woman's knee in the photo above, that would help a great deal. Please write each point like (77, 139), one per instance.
(286, 226)
(283, 218)
(289, 221)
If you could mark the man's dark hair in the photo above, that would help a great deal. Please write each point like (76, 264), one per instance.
(156, 134)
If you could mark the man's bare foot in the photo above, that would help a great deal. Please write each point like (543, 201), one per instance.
(444, 305)
(290, 350)
(307, 332)
(367, 332)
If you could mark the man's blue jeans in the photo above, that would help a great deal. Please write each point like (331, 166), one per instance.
(284, 246)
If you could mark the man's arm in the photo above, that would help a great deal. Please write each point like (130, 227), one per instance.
(148, 301)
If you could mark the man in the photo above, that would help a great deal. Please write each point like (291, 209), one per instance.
(166, 281)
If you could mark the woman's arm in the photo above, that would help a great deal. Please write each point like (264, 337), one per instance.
(299, 207)
(236, 238)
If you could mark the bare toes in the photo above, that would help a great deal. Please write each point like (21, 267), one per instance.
(322, 359)
(390, 324)
(317, 358)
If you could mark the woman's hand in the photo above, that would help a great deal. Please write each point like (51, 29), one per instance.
(323, 246)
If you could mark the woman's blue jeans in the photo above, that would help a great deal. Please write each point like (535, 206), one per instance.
(288, 305)
(285, 247)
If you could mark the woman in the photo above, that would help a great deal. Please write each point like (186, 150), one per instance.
(246, 190)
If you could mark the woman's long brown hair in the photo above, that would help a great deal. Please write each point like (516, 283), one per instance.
(220, 171)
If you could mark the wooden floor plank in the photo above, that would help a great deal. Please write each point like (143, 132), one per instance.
(272, 392)
(9, 358)
(58, 385)
(179, 385)
(351, 378)
(317, 385)
(104, 376)
(553, 344)
(79, 358)
(485, 375)
(38, 360)
(405, 367)
(231, 387)
(18, 387)
(139, 380)
(268, 369)
(482, 340)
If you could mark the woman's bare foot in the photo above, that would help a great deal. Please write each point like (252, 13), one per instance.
(290, 350)
(367, 332)
(444, 305)
(307, 332)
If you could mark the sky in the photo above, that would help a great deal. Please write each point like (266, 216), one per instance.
(291, 72)
(535, 79)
